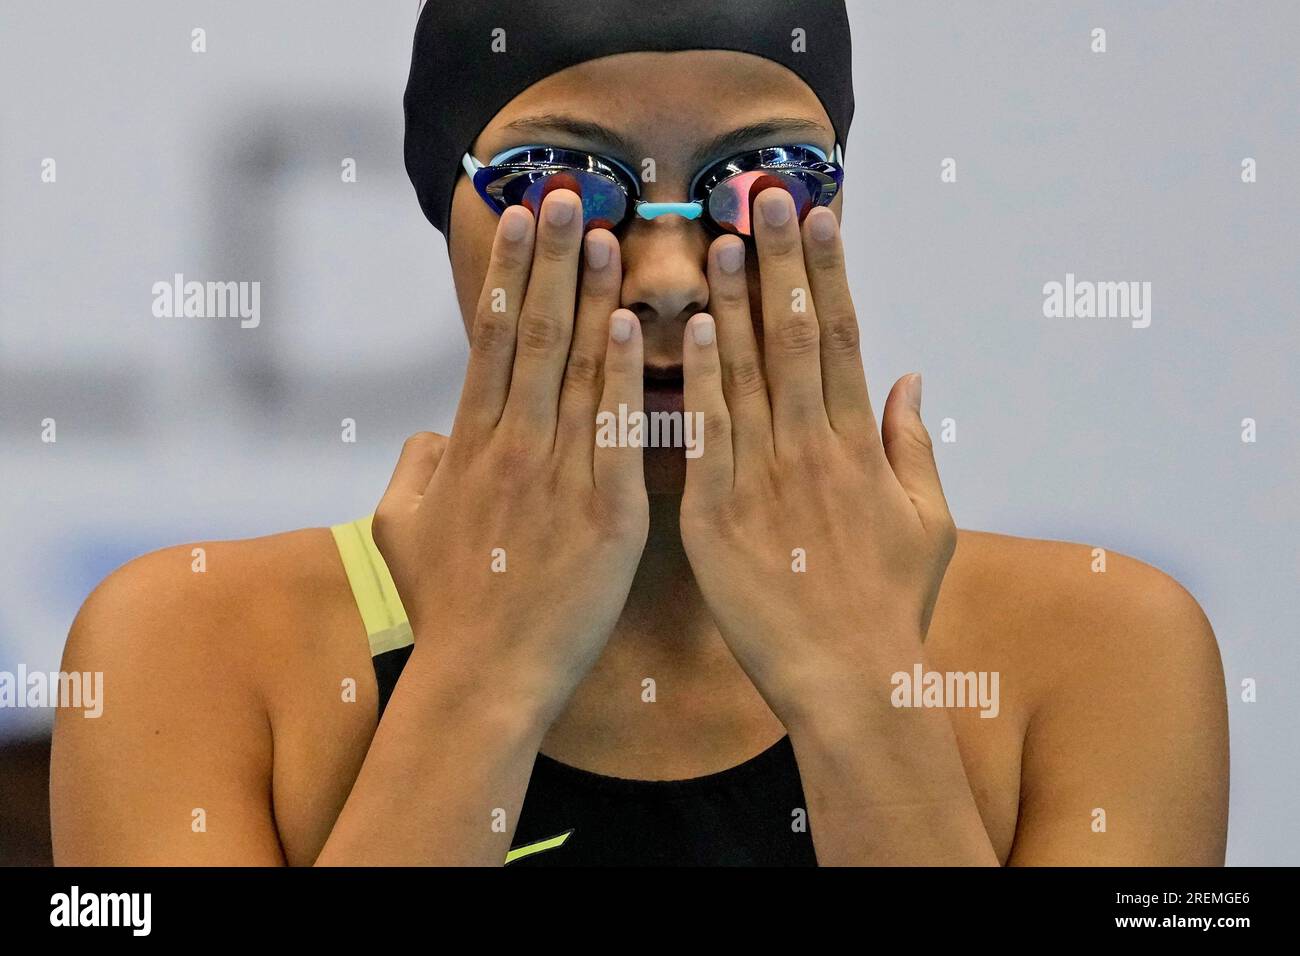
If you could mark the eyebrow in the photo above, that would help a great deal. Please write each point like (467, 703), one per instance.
(732, 141)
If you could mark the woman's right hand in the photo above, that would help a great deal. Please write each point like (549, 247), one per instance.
(513, 544)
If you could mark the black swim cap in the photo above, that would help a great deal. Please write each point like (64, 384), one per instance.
(457, 83)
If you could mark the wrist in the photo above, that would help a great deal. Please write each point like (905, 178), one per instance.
(845, 682)
(481, 693)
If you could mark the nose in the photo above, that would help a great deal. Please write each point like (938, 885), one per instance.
(664, 280)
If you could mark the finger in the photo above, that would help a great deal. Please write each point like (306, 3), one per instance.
(710, 465)
(492, 336)
(584, 376)
(744, 386)
(617, 467)
(414, 470)
(844, 381)
(791, 346)
(911, 454)
(546, 320)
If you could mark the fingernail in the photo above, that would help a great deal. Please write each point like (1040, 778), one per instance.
(823, 224)
(514, 224)
(620, 327)
(914, 391)
(559, 212)
(776, 208)
(731, 257)
(597, 252)
(702, 329)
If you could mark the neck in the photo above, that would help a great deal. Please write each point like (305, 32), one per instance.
(665, 632)
(665, 606)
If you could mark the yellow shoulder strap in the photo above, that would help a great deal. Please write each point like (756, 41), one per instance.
(372, 587)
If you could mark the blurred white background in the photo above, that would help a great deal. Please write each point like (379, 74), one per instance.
(226, 166)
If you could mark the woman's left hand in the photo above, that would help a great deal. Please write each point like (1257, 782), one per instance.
(818, 542)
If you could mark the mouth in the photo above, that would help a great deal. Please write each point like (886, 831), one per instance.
(663, 388)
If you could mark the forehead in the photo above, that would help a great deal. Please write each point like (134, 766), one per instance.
(663, 104)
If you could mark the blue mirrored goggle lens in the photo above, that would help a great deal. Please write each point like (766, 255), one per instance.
(730, 203)
(604, 202)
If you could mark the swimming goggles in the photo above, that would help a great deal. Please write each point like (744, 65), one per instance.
(722, 194)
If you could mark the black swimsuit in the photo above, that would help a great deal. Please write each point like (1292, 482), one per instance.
(752, 814)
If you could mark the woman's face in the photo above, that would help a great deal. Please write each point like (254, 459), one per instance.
(684, 110)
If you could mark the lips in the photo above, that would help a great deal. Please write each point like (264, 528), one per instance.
(663, 388)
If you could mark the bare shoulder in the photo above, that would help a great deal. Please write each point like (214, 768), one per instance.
(214, 655)
(1125, 752)
(1083, 603)
(245, 603)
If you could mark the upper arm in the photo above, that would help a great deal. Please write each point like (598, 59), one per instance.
(1126, 759)
(176, 769)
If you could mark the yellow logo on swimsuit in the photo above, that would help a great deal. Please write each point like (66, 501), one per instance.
(539, 846)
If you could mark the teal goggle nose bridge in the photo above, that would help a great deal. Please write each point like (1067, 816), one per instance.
(722, 193)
